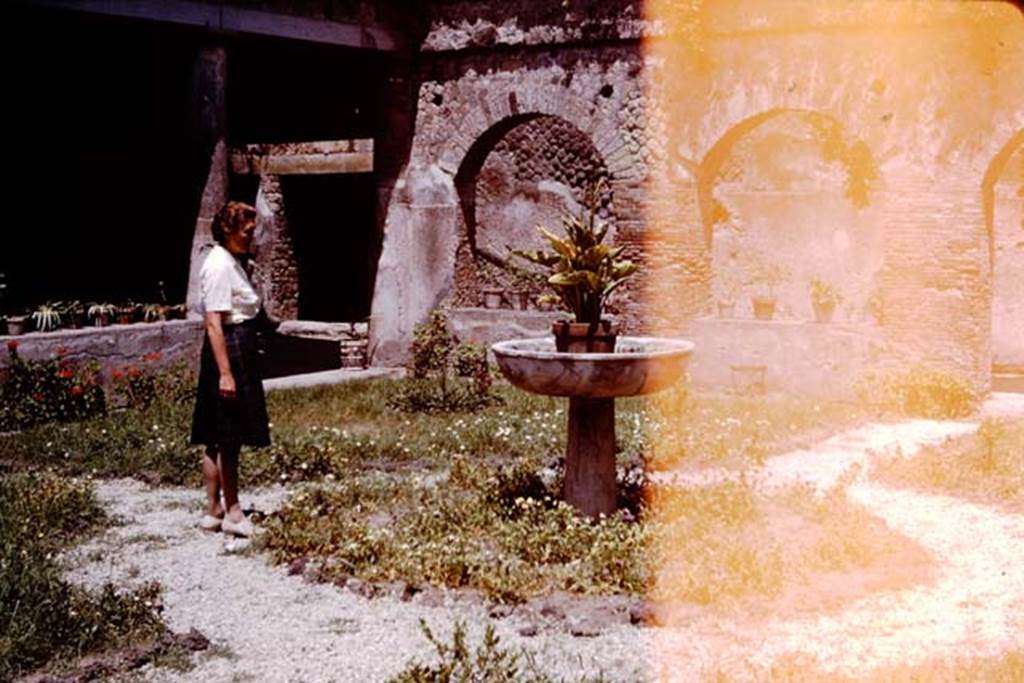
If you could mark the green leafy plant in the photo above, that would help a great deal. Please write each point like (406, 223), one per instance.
(433, 358)
(766, 272)
(46, 618)
(584, 271)
(488, 663)
(37, 391)
(920, 392)
(824, 293)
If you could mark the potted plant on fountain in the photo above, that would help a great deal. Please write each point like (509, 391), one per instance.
(584, 272)
(824, 299)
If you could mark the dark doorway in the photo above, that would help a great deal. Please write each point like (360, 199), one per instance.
(331, 221)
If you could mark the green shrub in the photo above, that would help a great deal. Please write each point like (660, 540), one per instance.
(443, 377)
(44, 617)
(920, 392)
(39, 391)
(488, 663)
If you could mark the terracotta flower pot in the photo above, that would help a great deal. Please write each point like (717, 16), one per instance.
(572, 337)
(764, 307)
(823, 312)
(492, 297)
(17, 324)
(520, 299)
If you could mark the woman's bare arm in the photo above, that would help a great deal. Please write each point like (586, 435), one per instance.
(215, 333)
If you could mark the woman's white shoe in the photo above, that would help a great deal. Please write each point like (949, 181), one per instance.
(244, 528)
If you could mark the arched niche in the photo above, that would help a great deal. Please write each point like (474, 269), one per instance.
(788, 190)
(525, 171)
(1003, 195)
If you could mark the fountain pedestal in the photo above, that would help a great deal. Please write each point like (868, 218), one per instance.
(591, 382)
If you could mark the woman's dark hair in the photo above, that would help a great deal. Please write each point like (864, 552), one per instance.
(230, 218)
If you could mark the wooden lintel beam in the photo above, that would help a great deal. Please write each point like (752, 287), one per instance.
(304, 158)
(222, 18)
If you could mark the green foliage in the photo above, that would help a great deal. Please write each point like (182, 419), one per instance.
(139, 385)
(488, 663)
(469, 529)
(434, 358)
(39, 391)
(584, 272)
(45, 617)
(824, 293)
(920, 392)
(987, 465)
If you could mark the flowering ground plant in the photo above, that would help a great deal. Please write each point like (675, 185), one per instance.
(56, 389)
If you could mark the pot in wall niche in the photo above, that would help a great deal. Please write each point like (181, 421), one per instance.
(572, 337)
(491, 297)
(520, 299)
(823, 311)
(764, 307)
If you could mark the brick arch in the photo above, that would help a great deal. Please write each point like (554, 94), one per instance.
(496, 110)
(988, 185)
(855, 156)
(477, 154)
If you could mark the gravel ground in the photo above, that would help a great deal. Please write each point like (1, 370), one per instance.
(269, 626)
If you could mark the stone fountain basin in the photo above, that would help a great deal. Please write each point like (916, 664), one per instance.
(640, 365)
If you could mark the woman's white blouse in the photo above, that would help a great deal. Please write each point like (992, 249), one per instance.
(224, 286)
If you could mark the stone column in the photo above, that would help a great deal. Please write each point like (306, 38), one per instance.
(210, 108)
(590, 456)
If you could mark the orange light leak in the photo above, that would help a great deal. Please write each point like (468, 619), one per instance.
(867, 153)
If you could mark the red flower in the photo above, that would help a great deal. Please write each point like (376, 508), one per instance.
(38, 396)
(66, 373)
(12, 344)
(76, 390)
(152, 357)
(134, 371)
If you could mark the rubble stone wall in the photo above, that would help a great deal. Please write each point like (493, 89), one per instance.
(847, 142)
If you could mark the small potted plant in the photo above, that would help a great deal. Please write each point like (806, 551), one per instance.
(728, 293)
(491, 297)
(768, 275)
(47, 316)
(126, 313)
(101, 313)
(73, 314)
(177, 312)
(520, 289)
(153, 313)
(17, 323)
(824, 299)
(584, 272)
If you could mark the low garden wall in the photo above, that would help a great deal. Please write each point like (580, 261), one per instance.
(115, 347)
(489, 325)
(801, 357)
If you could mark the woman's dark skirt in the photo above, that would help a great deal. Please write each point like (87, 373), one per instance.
(231, 423)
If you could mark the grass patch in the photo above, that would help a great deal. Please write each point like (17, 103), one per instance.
(719, 544)
(987, 465)
(45, 619)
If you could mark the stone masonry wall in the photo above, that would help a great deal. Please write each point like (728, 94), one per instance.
(854, 142)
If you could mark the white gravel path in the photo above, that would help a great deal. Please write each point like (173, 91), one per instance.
(275, 627)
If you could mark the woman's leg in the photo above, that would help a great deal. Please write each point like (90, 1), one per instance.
(211, 475)
(228, 466)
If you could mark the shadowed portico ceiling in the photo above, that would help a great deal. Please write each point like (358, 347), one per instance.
(219, 17)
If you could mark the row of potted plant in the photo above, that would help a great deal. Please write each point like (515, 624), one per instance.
(824, 295)
(54, 315)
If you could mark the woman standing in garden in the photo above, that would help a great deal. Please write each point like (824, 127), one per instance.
(230, 407)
